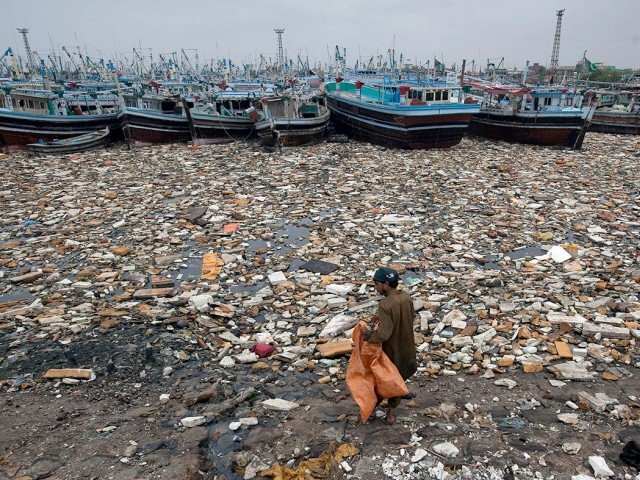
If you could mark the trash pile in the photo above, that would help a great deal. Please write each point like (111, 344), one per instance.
(231, 279)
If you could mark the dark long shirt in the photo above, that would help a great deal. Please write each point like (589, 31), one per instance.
(395, 331)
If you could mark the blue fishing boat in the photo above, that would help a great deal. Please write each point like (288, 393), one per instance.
(549, 116)
(411, 115)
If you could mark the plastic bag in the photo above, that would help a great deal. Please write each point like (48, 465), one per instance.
(324, 466)
(371, 374)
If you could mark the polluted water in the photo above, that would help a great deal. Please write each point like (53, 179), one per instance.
(179, 311)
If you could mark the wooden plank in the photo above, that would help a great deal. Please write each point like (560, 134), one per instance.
(563, 349)
(27, 277)
(154, 292)
(158, 281)
(81, 373)
(335, 349)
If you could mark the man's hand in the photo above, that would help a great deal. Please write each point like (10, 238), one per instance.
(365, 330)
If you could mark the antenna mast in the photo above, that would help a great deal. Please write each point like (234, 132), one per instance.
(279, 32)
(27, 49)
(556, 43)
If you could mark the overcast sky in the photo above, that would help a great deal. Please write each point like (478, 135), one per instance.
(517, 30)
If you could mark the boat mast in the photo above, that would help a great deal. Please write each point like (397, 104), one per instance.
(524, 72)
(464, 64)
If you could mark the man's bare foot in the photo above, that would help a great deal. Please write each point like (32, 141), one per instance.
(390, 418)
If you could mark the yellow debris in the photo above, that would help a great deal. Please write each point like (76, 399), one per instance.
(323, 466)
(211, 266)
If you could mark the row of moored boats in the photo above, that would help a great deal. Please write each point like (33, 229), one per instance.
(412, 114)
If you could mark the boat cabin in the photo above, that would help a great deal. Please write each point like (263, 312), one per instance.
(31, 101)
(291, 106)
(610, 98)
(163, 97)
(182, 88)
(427, 95)
(531, 100)
(234, 103)
(4, 100)
(553, 100)
(152, 101)
(46, 102)
(92, 102)
(159, 100)
(424, 94)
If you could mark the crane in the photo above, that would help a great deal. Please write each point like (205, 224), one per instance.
(54, 66)
(137, 58)
(370, 64)
(13, 68)
(340, 60)
(263, 62)
(303, 67)
(175, 60)
(164, 64)
(4, 63)
(41, 64)
(194, 70)
(85, 61)
(491, 67)
(185, 59)
(75, 65)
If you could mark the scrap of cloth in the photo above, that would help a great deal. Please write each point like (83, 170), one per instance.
(324, 466)
(371, 375)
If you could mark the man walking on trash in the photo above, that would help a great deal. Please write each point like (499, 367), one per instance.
(394, 322)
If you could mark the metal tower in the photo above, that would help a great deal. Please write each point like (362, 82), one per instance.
(556, 42)
(279, 32)
(27, 49)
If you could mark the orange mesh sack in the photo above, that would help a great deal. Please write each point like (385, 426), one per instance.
(371, 374)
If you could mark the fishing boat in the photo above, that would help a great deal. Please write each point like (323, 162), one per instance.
(28, 116)
(612, 120)
(412, 115)
(81, 143)
(622, 117)
(290, 120)
(152, 126)
(228, 117)
(157, 115)
(549, 116)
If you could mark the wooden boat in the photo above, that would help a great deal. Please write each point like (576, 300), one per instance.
(81, 143)
(229, 117)
(411, 116)
(32, 116)
(151, 126)
(622, 118)
(544, 116)
(609, 120)
(157, 115)
(288, 120)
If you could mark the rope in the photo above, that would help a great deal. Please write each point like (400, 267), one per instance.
(233, 139)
